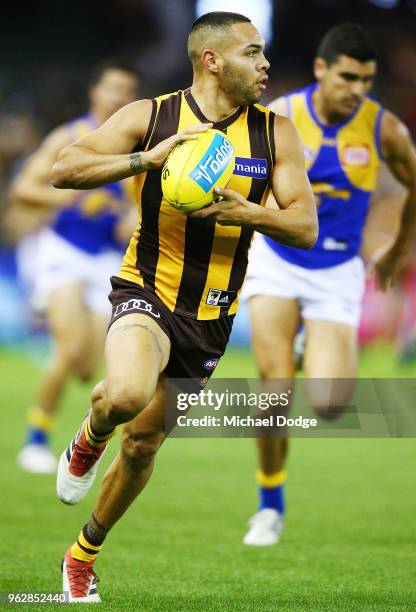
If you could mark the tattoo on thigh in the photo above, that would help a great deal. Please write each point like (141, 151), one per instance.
(129, 326)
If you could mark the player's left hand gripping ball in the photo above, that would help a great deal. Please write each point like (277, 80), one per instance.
(194, 168)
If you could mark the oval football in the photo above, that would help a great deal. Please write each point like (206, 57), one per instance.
(194, 168)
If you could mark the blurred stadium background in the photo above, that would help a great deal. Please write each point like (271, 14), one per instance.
(349, 543)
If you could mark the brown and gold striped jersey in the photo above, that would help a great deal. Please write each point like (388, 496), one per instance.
(197, 266)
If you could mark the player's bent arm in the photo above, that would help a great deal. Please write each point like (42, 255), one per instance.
(383, 219)
(105, 155)
(32, 185)
(296, 221)
(400, 155)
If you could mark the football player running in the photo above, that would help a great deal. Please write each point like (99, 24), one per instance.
(164, 325)
(345, 134)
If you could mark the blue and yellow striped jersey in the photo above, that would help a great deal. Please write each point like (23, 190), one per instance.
(342, 162)
(90, 222)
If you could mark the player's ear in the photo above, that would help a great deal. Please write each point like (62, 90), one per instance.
(211, 60)
(319, 68)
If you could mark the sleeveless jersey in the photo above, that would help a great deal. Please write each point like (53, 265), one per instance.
(342, 162)
(196, 266)
(89, 223)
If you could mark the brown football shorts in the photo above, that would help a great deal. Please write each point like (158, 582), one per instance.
(196, 346)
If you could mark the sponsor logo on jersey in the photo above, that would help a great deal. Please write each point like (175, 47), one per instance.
(252, 167)
(329, 142)
(213, 163)
(211, 364)
(137, 305)
(332, 244)
(218, 297)
(356, 155)
(308, 153)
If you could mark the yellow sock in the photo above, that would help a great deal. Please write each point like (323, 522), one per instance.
(95, 439)
(38, 419)
(83, 550)
(271, 480)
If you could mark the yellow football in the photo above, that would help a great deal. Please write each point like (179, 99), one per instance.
(195, 167)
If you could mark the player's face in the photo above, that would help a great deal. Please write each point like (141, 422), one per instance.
(344, 83)
(115, 89)
(244, 69)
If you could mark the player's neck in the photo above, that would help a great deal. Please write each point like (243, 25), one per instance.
(214, 104)
(323, 110)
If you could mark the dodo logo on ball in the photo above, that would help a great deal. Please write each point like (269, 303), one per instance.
(213, 163)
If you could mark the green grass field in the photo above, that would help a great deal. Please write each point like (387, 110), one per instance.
(349, 542)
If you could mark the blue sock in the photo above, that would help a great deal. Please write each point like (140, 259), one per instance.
(36, 436)
(39, 426)
(271, 490)
(272, 498)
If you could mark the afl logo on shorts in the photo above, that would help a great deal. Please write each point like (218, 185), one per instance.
(211, 364)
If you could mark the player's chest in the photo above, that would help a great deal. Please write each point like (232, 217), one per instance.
(344, 156)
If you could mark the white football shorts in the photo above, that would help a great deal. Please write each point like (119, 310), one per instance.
(60, 263)
(328, 294)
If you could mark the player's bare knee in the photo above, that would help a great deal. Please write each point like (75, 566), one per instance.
(277, 368)
(84, 371)
(276, 363)
(329, 412)
(74, 357)
(139, 448)
(329, 403)
(125, 404)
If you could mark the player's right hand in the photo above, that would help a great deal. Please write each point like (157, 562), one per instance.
(156, 157)
(385, 264)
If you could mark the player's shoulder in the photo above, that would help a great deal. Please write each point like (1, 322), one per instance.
(371, 100)
(283, 103)
(393, 130)
(173, 94)
(143, 106)
(261, 108)
(277, 119)
(371, 109)
(281, 125)
(56, 139)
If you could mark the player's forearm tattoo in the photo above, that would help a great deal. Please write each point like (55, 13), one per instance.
(129, 326)
(136, 162)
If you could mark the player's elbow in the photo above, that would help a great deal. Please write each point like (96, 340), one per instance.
(311, 234)
(63, 175)
(15, 191)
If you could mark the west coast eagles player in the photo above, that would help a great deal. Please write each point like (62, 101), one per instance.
(164, 323)
(76, 255)
(345, 134)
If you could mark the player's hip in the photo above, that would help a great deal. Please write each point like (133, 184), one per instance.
(333, 293)
(196, 345)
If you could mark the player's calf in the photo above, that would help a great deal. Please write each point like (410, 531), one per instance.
(139, 448)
